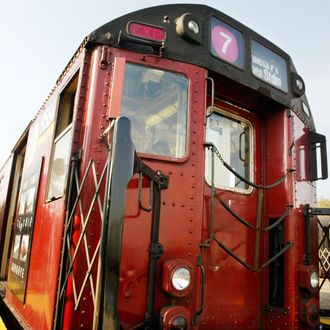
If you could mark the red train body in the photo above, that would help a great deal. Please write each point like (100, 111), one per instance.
(193, 213)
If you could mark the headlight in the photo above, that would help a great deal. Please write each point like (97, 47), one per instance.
(177, 277)
(181, 278)
(314, 280)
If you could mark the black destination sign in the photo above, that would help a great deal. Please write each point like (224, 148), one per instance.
(269, 66)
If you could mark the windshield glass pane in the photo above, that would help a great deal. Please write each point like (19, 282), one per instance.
(232, 138)
(156, 103)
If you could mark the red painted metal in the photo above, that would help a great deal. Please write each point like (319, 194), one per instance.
(233, 296)
(5, 175)
(38, 309)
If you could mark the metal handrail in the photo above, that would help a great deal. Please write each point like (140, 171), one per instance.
(258, 227)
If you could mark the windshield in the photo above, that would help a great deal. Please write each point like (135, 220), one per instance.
(156, 103)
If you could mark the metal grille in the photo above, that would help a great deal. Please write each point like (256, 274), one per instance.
(324, 255)
(324, 250)
(84, 245)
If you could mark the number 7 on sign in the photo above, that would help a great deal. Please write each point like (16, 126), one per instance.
(224, 44)
(228, 40)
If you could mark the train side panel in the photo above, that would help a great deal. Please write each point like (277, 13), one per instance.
(37, 241)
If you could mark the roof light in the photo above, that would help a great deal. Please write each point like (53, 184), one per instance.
(299, 84)
(144, 31)
(193, 26)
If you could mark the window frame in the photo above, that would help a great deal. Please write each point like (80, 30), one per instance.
(227, 114)
(76, 74)
(56, 140)
(161, 68)
(118, 74)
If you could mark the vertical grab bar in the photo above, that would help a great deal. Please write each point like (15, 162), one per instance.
(212, 96)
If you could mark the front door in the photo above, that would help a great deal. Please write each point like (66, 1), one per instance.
(233, 210)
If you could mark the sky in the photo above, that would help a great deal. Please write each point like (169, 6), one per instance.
(38, 38)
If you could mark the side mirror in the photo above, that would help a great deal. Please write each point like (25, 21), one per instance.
(318, 156)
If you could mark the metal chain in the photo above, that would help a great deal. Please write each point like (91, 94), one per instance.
(217, 153)
(210, 145)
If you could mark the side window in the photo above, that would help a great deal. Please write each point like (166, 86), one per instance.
(156, 102)
(62, 144)
(232, 138)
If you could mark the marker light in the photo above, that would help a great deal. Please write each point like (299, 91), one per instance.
(314, 280)
(177, 277)
(193, 26)
(299, 84)
(308, 278)
(178, 323)
(181, 278)
(175, 318)
(144, 31)
(309, 312)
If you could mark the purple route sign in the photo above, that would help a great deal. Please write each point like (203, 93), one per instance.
(226, 43)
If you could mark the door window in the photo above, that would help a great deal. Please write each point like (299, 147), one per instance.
(231, 135)
(62, 144)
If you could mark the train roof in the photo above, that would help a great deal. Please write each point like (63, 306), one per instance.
(251, 65)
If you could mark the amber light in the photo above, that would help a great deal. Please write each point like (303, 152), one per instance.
(145, 31)
(175, 318)
(309, 312)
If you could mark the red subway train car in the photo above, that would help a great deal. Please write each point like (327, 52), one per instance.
(168, 182)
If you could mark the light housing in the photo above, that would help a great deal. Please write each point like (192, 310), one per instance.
(309, 312)
(189, 28)
(146, 31)
(177, 277)
(175, 317)
(309, 278)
